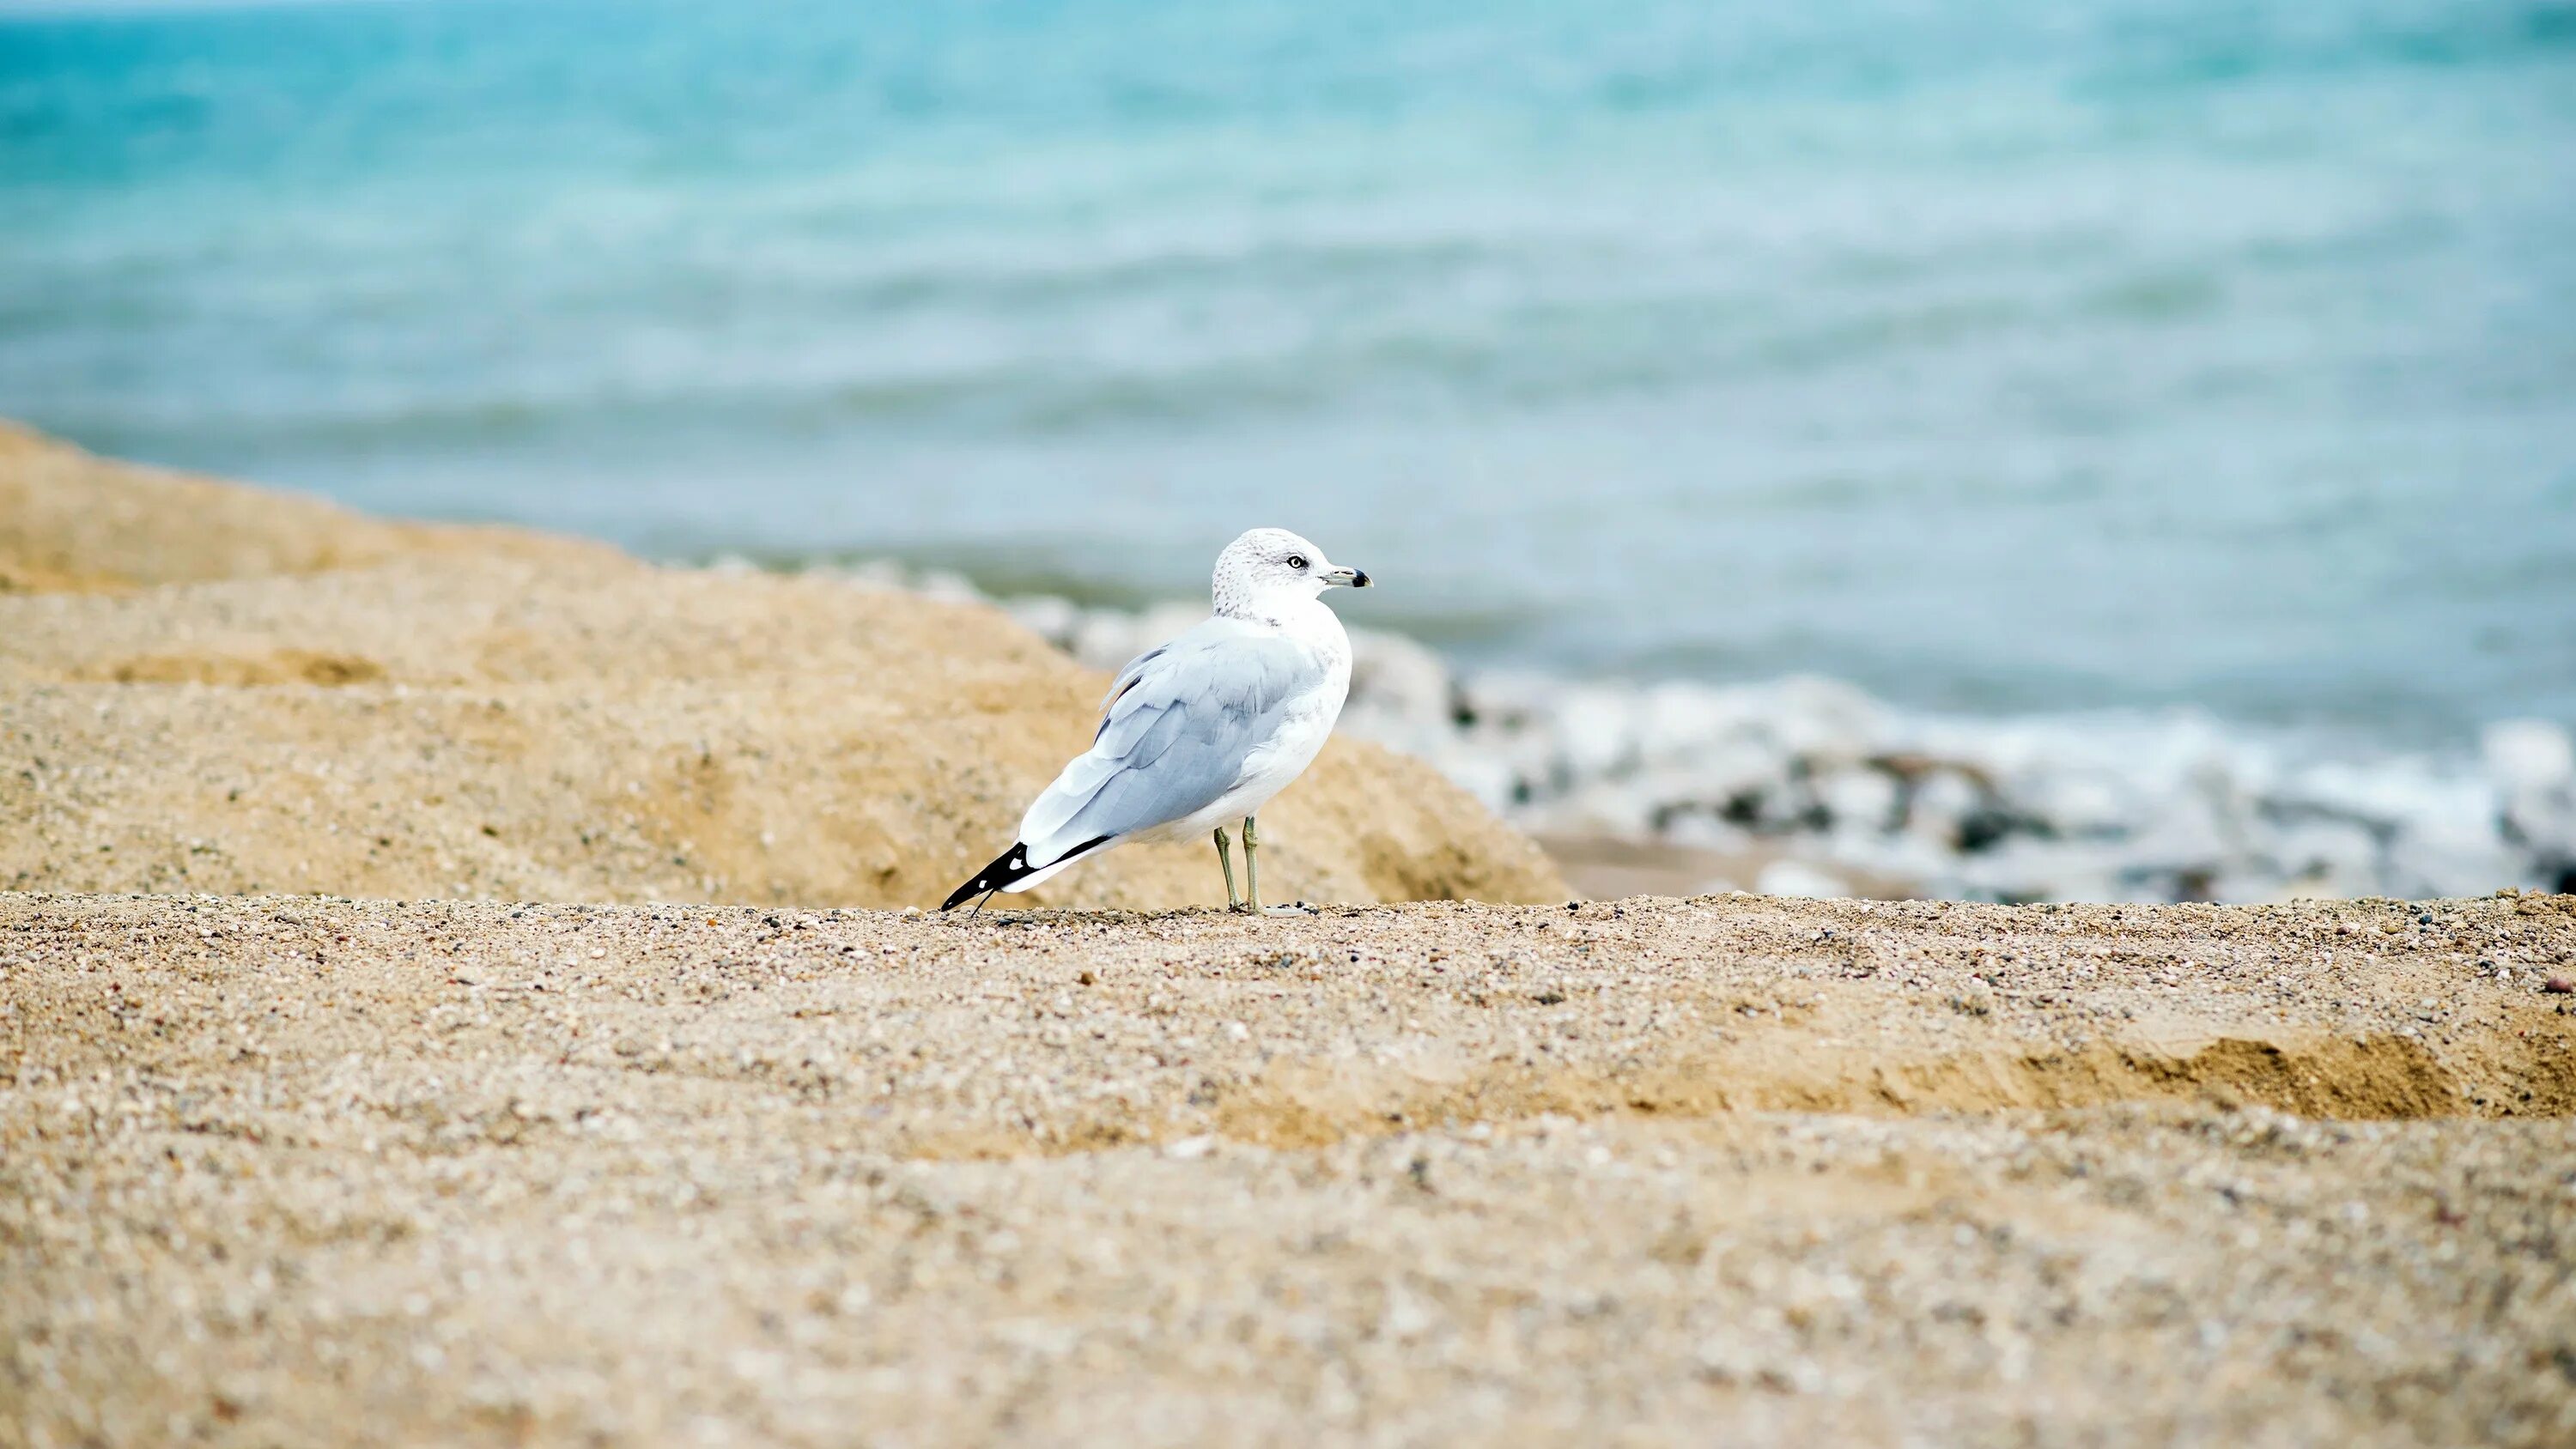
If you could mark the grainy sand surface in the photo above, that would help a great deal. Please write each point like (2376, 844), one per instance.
(73, 522)
(208, 687)
(304, 1171)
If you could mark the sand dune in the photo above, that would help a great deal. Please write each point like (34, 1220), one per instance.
(374, 709)
(74, 522)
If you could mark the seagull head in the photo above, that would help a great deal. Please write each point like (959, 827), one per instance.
(1268, 565)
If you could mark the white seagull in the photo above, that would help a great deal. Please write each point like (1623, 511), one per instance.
(1203, 730)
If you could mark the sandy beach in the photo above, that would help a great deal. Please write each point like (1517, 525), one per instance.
(308, 1171)
(466, 987)
(361, 708)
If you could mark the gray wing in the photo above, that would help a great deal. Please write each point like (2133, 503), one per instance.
(1178, 727)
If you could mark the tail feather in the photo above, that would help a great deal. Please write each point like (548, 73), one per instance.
(1009, 866)
(1012, 867)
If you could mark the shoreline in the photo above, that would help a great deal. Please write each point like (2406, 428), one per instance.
(1808, 786)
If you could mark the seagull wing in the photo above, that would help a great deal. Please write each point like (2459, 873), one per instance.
(1177, 729)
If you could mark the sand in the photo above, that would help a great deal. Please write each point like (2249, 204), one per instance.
(284, 1170)
(314, 1131)
(74, 522)
(376, 709)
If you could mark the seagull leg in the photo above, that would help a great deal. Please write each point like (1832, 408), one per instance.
(1252, 879)
(1225, 859)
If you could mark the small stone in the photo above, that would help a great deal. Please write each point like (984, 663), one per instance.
(2529, 756)
(1797, 878)
(2558, 985)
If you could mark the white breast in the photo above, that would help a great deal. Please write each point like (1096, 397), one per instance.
(1306, 721)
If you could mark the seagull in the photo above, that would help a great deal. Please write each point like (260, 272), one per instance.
(1203, 730)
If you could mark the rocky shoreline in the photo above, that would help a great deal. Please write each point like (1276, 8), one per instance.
(1809, 786)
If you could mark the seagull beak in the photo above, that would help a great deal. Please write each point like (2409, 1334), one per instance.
(1356, 578)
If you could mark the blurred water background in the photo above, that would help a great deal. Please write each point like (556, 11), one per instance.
(2040, 359)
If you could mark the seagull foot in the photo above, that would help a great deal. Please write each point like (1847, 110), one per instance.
(1299, 909)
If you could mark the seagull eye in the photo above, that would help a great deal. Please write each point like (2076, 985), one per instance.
(1297, 561)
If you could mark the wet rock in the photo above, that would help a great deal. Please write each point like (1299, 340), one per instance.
(2441, 856)
(1939, 803)
(1858, 798)
(2533, 765)
(2323, 856)
(1595, 731)
(2529, 758)
(1797, 878)
(1401, 680)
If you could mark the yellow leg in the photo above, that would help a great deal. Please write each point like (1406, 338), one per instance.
(1251, 868)
(1225, 859)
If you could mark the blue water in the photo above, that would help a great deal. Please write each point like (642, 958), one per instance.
(2033, 355)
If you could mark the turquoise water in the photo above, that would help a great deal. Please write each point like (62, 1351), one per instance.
(2010, 357)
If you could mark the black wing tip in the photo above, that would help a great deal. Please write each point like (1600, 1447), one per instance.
(1006, 868)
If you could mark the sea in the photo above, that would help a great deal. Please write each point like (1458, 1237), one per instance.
(2002, 360)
